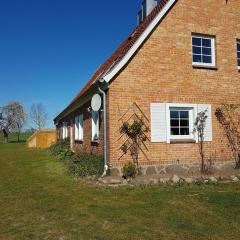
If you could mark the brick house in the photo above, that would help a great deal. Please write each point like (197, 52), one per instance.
(182, 58)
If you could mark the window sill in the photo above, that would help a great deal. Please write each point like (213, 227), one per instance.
(176, 141)
(205, 66)
(79, 141)
(95, 141)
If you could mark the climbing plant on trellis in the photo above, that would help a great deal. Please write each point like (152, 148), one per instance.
(134, 129)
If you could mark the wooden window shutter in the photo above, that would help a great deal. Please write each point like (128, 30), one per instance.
(158, 122)
(208, 128)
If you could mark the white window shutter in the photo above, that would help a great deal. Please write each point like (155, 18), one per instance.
(80, 136)
(97, 124)
(208, 127)
(66, 130)
(76, 128)
(158, 122)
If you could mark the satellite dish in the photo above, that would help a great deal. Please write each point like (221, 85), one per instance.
(96, 102)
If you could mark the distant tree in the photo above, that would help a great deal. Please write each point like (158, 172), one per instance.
(19, 117)
(12, 118)
(38, 116)
(4, 125)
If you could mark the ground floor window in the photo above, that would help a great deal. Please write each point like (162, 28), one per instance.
(64, 130)
(79, 128)
(171, 122)
(179, 122)
(180, 125)
(95, 126)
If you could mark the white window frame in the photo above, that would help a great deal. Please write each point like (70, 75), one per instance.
(65, 130)
(95, 127)
(192, 108)
(238, 59)
(79, 128)
(213, 51)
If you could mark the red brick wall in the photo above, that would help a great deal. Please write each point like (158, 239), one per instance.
(162, 72)
(86, 145)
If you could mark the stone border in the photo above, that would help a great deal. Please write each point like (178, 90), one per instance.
(174, 174)
(167, 180)
(180, 169)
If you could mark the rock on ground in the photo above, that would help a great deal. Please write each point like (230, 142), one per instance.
(212, 179)
(115, 172)
(188, 180)
(175, 179)
(151, 170)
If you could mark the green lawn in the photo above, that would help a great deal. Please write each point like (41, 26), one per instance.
(13, 137)
(40, 201)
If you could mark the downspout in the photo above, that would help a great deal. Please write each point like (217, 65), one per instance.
(105, 131)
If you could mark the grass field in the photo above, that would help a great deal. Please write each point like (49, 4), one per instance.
(13, 137)
(40, 201)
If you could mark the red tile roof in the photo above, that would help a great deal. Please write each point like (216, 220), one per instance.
(119, 53)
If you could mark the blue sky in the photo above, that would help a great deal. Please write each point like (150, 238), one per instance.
(50, 48)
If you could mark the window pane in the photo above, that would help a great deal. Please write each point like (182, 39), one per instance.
(238, 46)
(95, 117)
(238, 54)
(207, 59)
(184, 131)
(184, 114)
(174, 123)
(206, 51)
(175, 131)
(206, 42)
(174, 114)
(184, 123)
(196, 41)
(196, 50)
(239, 62)
(197, 58)
(179, 122)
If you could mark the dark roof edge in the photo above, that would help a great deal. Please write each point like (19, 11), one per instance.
(118, 55)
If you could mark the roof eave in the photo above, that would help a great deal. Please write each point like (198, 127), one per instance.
(82, 99)
(109, 76)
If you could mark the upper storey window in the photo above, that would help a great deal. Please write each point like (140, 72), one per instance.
(203, 51)
(238, 53)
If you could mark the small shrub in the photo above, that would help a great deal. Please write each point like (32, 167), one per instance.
(84, 165)
(61, 149)
(129, 170)
(78, 164)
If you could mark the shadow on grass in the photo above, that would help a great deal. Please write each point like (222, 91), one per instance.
(11, 142)
(20, 141)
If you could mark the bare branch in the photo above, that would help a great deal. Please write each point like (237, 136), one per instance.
(38, 116)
